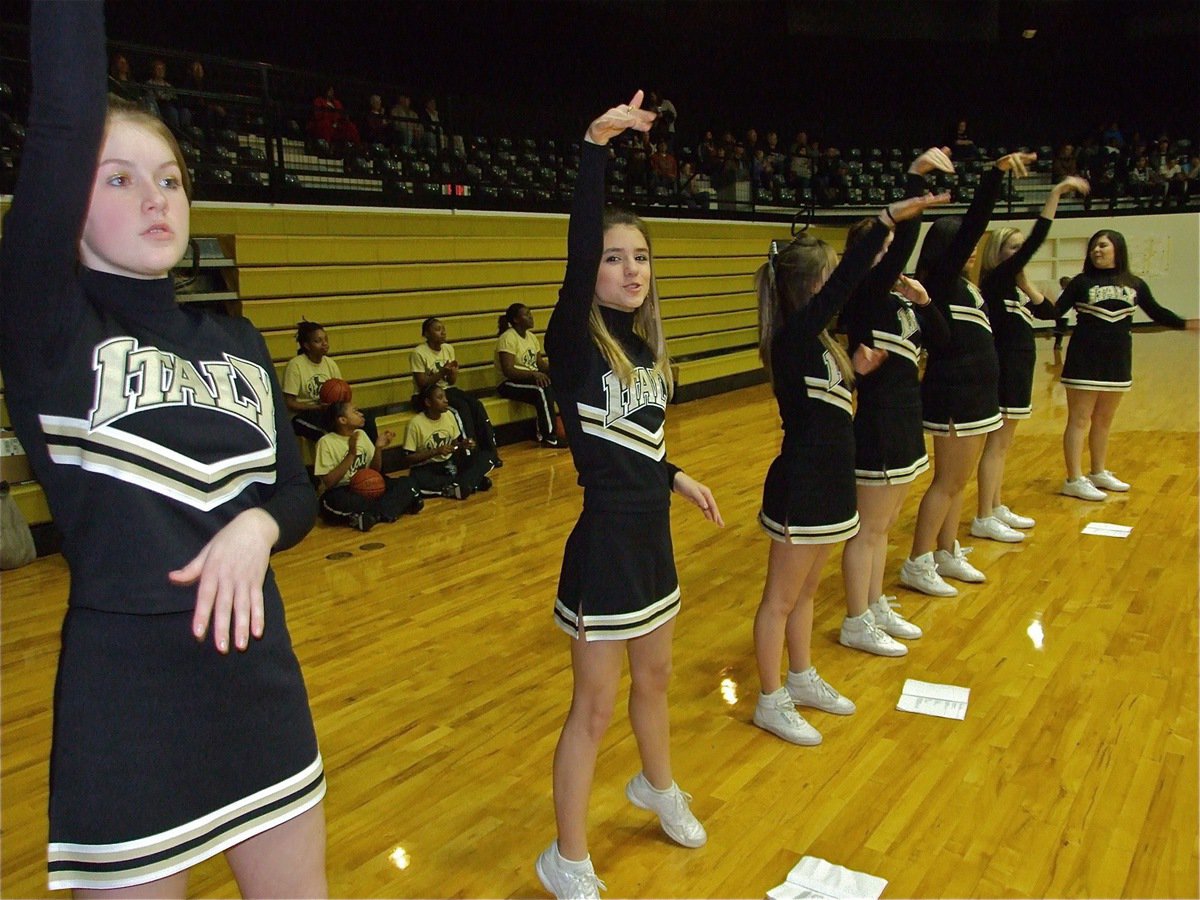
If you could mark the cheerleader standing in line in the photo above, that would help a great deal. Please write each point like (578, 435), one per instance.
(891, 313)
(808, 498)
(161, 439)
(959, 390)
(1099, 364)
(618, 593)
(1003, 270)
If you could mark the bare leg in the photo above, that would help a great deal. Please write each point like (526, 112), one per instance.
(991, 467)
(1080, 405)
(596, 666)
(864, 553)
(173, 886)
(954, 458)
(650, 672)
(285, 861)
(788, 568)
(899, 492)
(1102, 419)
(800, 622)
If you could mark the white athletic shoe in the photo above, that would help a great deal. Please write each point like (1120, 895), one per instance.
(1011, 519)
(921, 574)
(807, 688)
(993, 529)
(777, 714)
(565, 879)
(886, 617)
(672, 809)
(1108, 481)
(955, 565)
(861, 633)
(1082, 488)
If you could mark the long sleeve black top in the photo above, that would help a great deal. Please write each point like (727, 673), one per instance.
(1104, 303)
(149, 426)
(1012, 317)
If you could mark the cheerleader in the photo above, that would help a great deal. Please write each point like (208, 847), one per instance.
(1099, 364)
(891, 313)
(1012, 303)
(618, 593)
(959, 390)
(808, 498)
(161, 440)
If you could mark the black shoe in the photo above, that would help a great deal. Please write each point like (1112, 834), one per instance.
(554, 443)
(456, 492)
(497, 462)
(485, 484)
(417, 505)
(364, 521)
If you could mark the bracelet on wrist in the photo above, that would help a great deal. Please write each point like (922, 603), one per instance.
(887, 212)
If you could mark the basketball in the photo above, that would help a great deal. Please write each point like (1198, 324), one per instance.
(335, 390)
(367, 483)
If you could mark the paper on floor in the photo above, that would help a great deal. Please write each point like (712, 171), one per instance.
(821, 880)
(943, 700)
(1107, 529)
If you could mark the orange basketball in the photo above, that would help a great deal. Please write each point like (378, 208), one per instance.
(367, 483)
(334, 390)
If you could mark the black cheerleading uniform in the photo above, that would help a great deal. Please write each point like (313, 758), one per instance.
(618, 576)
(1100, 354)
(960, 387)
(889, 445)
(809, 495)
(149, 427)
(1012, 325)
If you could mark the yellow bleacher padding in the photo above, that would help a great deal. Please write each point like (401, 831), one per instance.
(711, 367)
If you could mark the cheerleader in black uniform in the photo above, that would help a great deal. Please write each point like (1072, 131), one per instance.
(1099, 364)
(618, 593)
(891, 313)
(162, 442)
(808, 498)
(1012, 303)
(959, 390)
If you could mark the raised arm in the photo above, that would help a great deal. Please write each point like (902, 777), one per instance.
(40, 249)
(568, 330)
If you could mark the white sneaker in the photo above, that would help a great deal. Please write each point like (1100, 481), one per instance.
(1108, 481)
(672, 809)
(861, 633)
(1082, 488)
(566, 879)
(993, 529)
(1011, 519)
(777, 714)
(807, 688)
(955, 565)
(886, 617)
(921, 574)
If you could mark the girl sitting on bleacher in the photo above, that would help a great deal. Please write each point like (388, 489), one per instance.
(310, 368)
(440, 456)
(434, 362)
(525, 371)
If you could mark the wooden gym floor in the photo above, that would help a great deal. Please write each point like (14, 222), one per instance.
(439, 684)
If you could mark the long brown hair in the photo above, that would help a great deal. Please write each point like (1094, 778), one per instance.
(785, 283)
(120, 110)
(647, 321)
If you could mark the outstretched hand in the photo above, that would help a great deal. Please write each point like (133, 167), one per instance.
(935, 158)
(619, 118)
(688, 487)
(912, 207)
(1017, 163)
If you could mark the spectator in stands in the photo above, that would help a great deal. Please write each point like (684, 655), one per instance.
(829, 184)
(330, 123)
(441, 458)
(1112, 136)
(637, 169)
(691, 193)
(664, 125)
(1141, 180)
(1172, 183)
(345, 451)
(121, 83)
(310, 368)
(963, 145)
(664, 168)
(737, 166)
(751, 142)
(434, 362)
(169, 108)
(524, 371)
(760, 171)
(1065, 164)
(706, 152)
(431, 121)
(204, 112)
(377, 127)
(406, 123)
(774, 153)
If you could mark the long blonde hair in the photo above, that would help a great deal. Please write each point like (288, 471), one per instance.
(785, 283)
(647, 321)
(990, 258)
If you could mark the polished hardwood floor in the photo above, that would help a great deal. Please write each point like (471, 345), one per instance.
(439, 684)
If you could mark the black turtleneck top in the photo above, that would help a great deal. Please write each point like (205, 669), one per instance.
(149, 426)
(615, 430)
